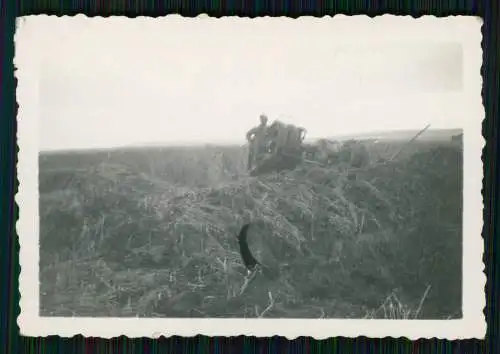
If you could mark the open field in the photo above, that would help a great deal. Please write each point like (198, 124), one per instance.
(152, 232)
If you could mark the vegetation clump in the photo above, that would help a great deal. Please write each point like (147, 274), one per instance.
(136, 233)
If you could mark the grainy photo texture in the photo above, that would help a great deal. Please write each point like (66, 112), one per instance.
(286, 174)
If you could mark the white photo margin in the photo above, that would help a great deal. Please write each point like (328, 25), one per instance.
(461, 29)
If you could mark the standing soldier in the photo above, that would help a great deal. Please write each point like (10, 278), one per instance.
(355, 154)
(327, 151)
(256, 138)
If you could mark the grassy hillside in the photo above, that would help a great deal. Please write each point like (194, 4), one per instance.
(151, 232)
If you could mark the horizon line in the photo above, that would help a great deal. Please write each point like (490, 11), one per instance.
(186, 144)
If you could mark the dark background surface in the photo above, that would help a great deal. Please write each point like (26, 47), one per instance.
(9, 333)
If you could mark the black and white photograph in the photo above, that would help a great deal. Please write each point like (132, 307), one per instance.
(268, 176)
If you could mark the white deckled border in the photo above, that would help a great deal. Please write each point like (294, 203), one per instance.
(461, 29)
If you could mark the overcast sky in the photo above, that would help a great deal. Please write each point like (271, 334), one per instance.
(127, 82)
